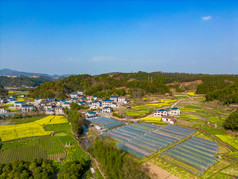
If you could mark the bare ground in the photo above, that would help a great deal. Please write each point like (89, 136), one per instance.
(156, 172)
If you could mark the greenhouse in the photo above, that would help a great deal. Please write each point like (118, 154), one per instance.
(196, 152)
(106, 123)
(145, 139)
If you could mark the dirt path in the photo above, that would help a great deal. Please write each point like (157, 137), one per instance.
(156, 172)
(91, 157)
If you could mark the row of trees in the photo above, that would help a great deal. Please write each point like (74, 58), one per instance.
(75, 169)
(77, 121)
(44, 169)
(115, 162)
(38, 168)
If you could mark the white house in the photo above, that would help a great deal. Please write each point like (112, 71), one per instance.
(66, 105)
(59, 103)
(51, 99)
(95, 104)
(90, 113)
(49, 112)
(3, 100)
(12, 101)
(107, 102)
(168, 119)
(174, 111)
(73, 100)
(114, 105)
(59, 110)
(38, 101)
(122, 99)
(74, 95)
(80, 92)
(161, 112)
(18, 104)
(114, 98)
(48, 107)
(27, 108)
(2, 110)
(107, 110)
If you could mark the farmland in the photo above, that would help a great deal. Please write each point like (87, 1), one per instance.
(48, 147)
(143, 110)
(151, 119)
(31, 129)
(208, 118)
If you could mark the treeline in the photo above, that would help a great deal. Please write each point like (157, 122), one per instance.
(103, 85)
(115, 163)
(77, 121)
(23, 81)
(223, 88)
(43, 168)
(38, 168)
(134, 84)
(232, 121)
(75, 169)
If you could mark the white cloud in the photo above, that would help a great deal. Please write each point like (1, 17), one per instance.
(207, 18)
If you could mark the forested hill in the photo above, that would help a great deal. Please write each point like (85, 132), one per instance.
(136, 84)
(223, 88)
(22, 81)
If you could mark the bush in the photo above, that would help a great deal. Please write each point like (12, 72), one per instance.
(232, 121)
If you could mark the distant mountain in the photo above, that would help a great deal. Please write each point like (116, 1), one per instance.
(23, 81)
(10, 72)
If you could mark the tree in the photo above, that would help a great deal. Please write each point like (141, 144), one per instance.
(232, 121)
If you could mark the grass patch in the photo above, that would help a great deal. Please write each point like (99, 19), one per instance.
(228, 139)
(234, 154)
(231, 170)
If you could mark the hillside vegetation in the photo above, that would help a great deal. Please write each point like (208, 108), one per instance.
(138, 84)
(22, 81)
(223, 88)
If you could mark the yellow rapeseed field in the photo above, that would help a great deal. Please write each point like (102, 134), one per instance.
(31, 129)
(151, 119)
(52, 120)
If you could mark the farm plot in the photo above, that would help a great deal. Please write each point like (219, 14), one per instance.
(47, 147)
(12, 132)
(146, 109)
(106, 123)
(30, 129)
(197, 153)
(143, 139)
(151, 119)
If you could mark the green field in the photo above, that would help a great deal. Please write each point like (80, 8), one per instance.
(47, 147)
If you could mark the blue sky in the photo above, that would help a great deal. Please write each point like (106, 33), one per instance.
(94, 37)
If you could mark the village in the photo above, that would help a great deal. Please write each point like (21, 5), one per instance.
(94, 106)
